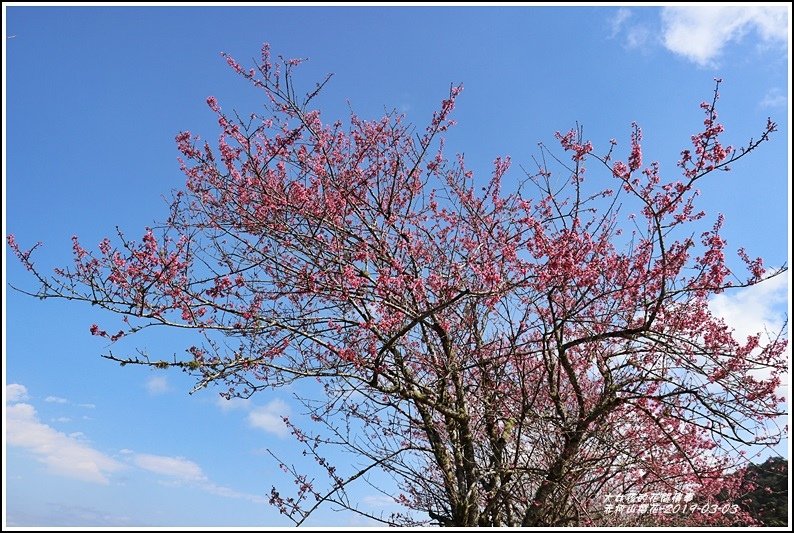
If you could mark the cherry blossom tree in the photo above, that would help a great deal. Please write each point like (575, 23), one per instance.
(512, 351)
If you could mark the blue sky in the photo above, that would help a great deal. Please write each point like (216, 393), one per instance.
(95, 96)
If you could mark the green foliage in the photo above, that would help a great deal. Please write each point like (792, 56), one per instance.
(767, 501)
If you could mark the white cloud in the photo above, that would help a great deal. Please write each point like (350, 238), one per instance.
(232, 403)
(16, 393)
(62, 419)
(226, 492)
(618, 20)
(753, 309)
(87, 405)
(157, 385)
(637, 37)
(268, 417)
(61, 453)
(773, 98)
(379, 501)
(636, 34)
(71, 455)
(55, 399)
(62, 516)
(174, 467)
(181, 471)
(700, 33)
